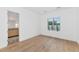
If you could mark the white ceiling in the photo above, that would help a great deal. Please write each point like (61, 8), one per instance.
(42, 10)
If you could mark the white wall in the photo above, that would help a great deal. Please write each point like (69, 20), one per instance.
(3, 28)
(77, 25)
(68, 24)
(29, 24)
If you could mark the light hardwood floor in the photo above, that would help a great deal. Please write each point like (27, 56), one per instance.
(43, 44)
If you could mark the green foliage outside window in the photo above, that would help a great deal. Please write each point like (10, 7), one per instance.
(54, 24)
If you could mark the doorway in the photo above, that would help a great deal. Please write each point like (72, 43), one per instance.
(13, 27)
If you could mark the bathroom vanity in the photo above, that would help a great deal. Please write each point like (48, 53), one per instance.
(13, 35)
(12, 32)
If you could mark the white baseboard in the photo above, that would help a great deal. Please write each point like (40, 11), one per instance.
(61, 38)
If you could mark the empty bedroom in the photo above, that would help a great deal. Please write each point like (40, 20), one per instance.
(39, 29)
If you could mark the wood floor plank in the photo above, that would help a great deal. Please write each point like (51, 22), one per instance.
(43, 44)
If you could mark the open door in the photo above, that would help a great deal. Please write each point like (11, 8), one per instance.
(13, 27)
